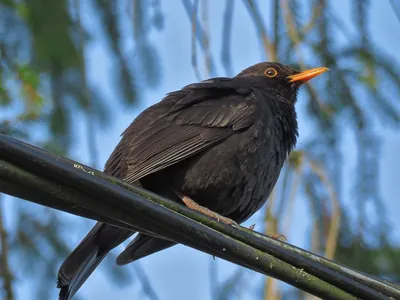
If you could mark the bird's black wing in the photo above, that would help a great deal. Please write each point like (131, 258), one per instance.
(201, 116)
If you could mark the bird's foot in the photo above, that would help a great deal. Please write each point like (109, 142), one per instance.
(277, 236)
(204, 210)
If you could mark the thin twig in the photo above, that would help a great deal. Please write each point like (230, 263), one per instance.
(194, 45)
(285, 175)
(226, 37)
(270, 221)
(292, 197)
(5, 271)
(333, 232)
(294, 35)
(267, 44)
(91, 130)
(340, 25)
(270, 226)
(276, 26)
(207, 36)
(396, 9)
(213, 277)
(270, 289)
(146, 285)
(291, 26)
(316, 13)
(201, 35)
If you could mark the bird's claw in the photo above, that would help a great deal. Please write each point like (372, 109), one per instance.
(204, 210)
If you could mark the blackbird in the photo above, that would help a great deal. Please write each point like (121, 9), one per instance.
(218, 146)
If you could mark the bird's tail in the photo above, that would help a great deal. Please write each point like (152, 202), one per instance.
(141, 246)
(78, 266)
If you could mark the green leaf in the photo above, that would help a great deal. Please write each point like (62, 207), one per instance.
(22, 10)
(30, 81)
(5, 98)
(28, 75)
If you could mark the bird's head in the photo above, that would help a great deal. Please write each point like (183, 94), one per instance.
(276, 75)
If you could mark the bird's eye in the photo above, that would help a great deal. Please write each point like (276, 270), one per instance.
(270, 72)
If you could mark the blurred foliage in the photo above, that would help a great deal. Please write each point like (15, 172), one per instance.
(44, 85)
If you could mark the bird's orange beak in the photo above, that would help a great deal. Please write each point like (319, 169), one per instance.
(307, 75)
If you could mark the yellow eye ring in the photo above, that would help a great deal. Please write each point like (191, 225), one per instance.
(270, 72)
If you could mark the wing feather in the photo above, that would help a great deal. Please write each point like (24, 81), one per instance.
(183, 124)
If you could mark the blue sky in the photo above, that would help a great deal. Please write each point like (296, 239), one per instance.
(181, 272)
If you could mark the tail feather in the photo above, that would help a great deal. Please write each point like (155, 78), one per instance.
(68, 287)
(87, 256)
(142, 245)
